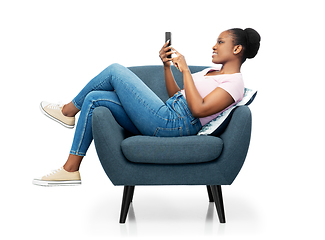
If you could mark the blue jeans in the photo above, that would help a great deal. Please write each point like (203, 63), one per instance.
(134, 106)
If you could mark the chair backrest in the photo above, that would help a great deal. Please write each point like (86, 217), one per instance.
(154, 77)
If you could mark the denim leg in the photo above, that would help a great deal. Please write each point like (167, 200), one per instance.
(145, 109)
(83, 133)
(141, 107)
(100, 82)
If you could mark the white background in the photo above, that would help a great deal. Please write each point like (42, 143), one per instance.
(50, 49)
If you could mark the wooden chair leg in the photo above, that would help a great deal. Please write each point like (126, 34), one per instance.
(217, 196)
(132, 192)
(127, 199)
(210, 194)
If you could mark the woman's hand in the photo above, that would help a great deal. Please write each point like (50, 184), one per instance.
(164, 52)
(179, 62)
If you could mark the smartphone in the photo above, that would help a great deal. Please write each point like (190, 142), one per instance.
(168, 36)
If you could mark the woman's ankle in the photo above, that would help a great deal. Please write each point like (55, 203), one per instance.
(73, 163)
(64, 111)
(70, 169)
(69, 110)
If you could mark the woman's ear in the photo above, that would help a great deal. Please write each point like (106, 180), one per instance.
(238, 49)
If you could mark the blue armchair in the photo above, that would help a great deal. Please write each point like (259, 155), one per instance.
(131, 161)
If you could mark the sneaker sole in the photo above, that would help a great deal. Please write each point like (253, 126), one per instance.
(55, 119)
(56, 183)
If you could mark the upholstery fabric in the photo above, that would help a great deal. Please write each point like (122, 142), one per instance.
(176, 150)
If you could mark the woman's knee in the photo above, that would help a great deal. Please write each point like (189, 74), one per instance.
(90, 97)
(115, 67)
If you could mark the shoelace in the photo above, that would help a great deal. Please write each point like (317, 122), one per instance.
(53, 172)
(55, 105)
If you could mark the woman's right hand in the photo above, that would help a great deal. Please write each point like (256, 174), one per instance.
(164, 52)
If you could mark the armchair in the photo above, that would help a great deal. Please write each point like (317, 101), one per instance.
(131, 161)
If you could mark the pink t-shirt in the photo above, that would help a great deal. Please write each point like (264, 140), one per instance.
(232, 83)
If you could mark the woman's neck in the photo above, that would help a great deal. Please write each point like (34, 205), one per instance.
(230, 68)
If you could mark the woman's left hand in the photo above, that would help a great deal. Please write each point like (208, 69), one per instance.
(179, 61)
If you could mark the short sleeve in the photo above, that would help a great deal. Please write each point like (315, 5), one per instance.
(234, 85)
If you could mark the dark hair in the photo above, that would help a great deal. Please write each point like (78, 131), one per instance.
(249, 39)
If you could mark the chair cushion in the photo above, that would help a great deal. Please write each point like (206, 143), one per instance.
(172, 150)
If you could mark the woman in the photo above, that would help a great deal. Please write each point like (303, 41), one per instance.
(136, 108)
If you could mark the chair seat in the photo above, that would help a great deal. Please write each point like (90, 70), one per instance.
(177, 150)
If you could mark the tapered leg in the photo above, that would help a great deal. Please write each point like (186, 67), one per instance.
(132, 192)
(210, 194)
(127, 199)
(217, 196)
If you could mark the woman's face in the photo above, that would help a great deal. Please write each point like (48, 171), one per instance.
(223, 51)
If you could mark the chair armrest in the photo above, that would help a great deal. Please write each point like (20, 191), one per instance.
(108, 135)
(236, 139)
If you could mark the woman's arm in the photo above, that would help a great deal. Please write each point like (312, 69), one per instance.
(171, 85)
(216, 101)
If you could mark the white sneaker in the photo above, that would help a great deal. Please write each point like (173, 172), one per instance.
(54, 111)
(59, 177)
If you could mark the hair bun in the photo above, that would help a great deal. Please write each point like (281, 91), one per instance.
(253, 42)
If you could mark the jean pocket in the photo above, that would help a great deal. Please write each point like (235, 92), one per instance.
(168, 132)
(195, 121)
(196, 124)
